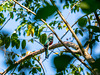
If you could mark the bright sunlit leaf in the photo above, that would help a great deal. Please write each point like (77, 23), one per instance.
(1, 8)
(56, 53)
(67, 29)
(28, 52)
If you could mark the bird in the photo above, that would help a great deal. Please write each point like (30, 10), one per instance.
(48, 42)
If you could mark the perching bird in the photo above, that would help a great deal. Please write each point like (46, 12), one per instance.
(48, 42)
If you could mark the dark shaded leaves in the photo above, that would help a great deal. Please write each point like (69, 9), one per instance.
(61, 62)
(97, 64)
(23, 44)
(95, 28)
(33, 71)
(80, 32)
(43, 38)
(7, 42)
(82, 22)
(17, 44)
(11, 15)
(14, 36)
(40, 30)
(45, 12)
(90, 6)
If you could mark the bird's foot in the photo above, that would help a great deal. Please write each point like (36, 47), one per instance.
(47, 56)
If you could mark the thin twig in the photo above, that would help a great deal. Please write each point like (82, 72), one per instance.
(67, 17)
(40, 65)
(10, 52)
(72, 26)
(7, 20)
(36, 41)
(72, 8)
(5, 23)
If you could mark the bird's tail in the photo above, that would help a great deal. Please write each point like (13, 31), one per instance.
(46, 52)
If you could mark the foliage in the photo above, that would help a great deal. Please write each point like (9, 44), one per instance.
(43, 13)
(31, 27)
(88, 6)
(61, 62)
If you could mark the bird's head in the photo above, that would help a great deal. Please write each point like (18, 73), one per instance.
(51, 34)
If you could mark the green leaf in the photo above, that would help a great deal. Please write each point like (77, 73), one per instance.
(43, 38)
(11, 15)
(82, 22)
(71, 65)
(45, 12)
(97, 38)
(79, 69)
(1, 21)
(95, 28)
(88, 73)
(20, 67)
(76, 30)
(32, 40)
(13, 56)
(23, 44)
(39, 69)
(1, 8)
(9, 61)
(1, 15)
(61, 62)
(36, 30)
(21, 26)
(40, 30)
(1, 42)
(33, 71)
(17, 44)
(9, 9)
(66, 6)
(22, 73)
(14, 36)
(7, 43)
(84, 5)
(80, 32)
(13, 43)
(77, 55)
(90, 6)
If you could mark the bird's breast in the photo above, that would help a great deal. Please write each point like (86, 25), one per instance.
(50, 43)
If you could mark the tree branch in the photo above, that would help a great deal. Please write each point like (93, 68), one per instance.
(40, 65)
(74, 51)
(32, 54)
(69, 27)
